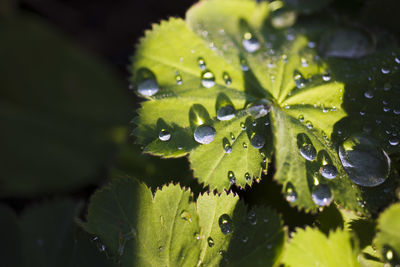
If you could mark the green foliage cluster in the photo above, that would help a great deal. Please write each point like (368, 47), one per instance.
(289, 117)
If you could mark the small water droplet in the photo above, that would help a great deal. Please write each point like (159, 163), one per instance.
(227, 147)
(304, 62)
(257, 141)
(326, 77)
(301, 118)
(322, 195)
(164, 135)
(231, 177)
(385, 70)
(233, 138)
(207, 79)
(247, 177)
(244, 145)
(178, 79)
(204, 134)
(243, 126)
(148, 87)
(393, 141)
(225, 224)
(245, 239)
(369, 94)
(387, 86)
(397, 60)
(243, 64)
(252, 218)
(250, 43)
(201, 62)
(308, 152)
(328, 171)
(366, 163)
(309, 125)
(186, 216)
(299, 80)
(226, 113)
(161, 248)
(227, 78)
(210, 242)
(290, 194)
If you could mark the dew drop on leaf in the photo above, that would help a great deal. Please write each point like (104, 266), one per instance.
(178, 79)
(243, 65)
(259, 109)
(366, 163)
(250, 43)
(202, 63)
(186, 216)
(227, 146)
(252, 218)
(308, 152)
(393, 141)
(242, 126)
(290, 194)
(299, 80)
(309, 125)
(326, 77)
(244, 145)
(207, 79)
(301, 118)
(204, 134)
(227, 78)
(322, 195)
(369, 94)
(257, 141)
(225, 224)
(328, 171)
(231, 177)
(247, 177)
(210, 242)
(245, 239)
(283, 18)
(226, 113)
(164, 135)
(385, 70)
(148, 87)
(233, 138)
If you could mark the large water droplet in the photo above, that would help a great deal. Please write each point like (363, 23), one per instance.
(308, 152)
(164, 135)
(366, 163)
(257, 141)
(250, 43)
(226, 113)
(259, 109)
(322, 195)
(204, 134)
(148, 87)
(225, 224)
(328, 171)
(207, 79)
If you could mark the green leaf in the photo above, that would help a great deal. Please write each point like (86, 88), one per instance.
(311, 247)
(305, 93)
(46, 235)
(63, 111)
(388, 238)
(170, 229)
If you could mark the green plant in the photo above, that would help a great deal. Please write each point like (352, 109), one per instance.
(261, 97)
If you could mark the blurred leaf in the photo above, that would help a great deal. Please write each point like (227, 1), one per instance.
(169, 229)
(46, 235)
(388, 238)
(308, 6)
(310, 247)
(62, 111)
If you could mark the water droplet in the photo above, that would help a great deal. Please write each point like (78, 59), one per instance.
(304, 62)
(233, 138)
(326, 77)
(227, 78)
(204, 134)
(369, 94)
(245, 239)
(210, 242)
(393, 141)
(291, 195)
(178, 79)
(259, 109)
(244, 145)
(257, 141)
(308, 152)
(301, 118)
(226, 113)
(322, 195)
(387, 86)
(252, 218)
(161, 248)
(366, 163)
(148, 87)
(207, 79)
(397, 60)
(385, 70)
(164, 135)
(225, 224)
(250, 43)
(242, 126)
(328, 171)
(243, 64)
(309, 125)
(186, 216)
(269, 246)
(231, 177)
(299, 80)
(227, 146)
(247, 177)
(201, 63)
